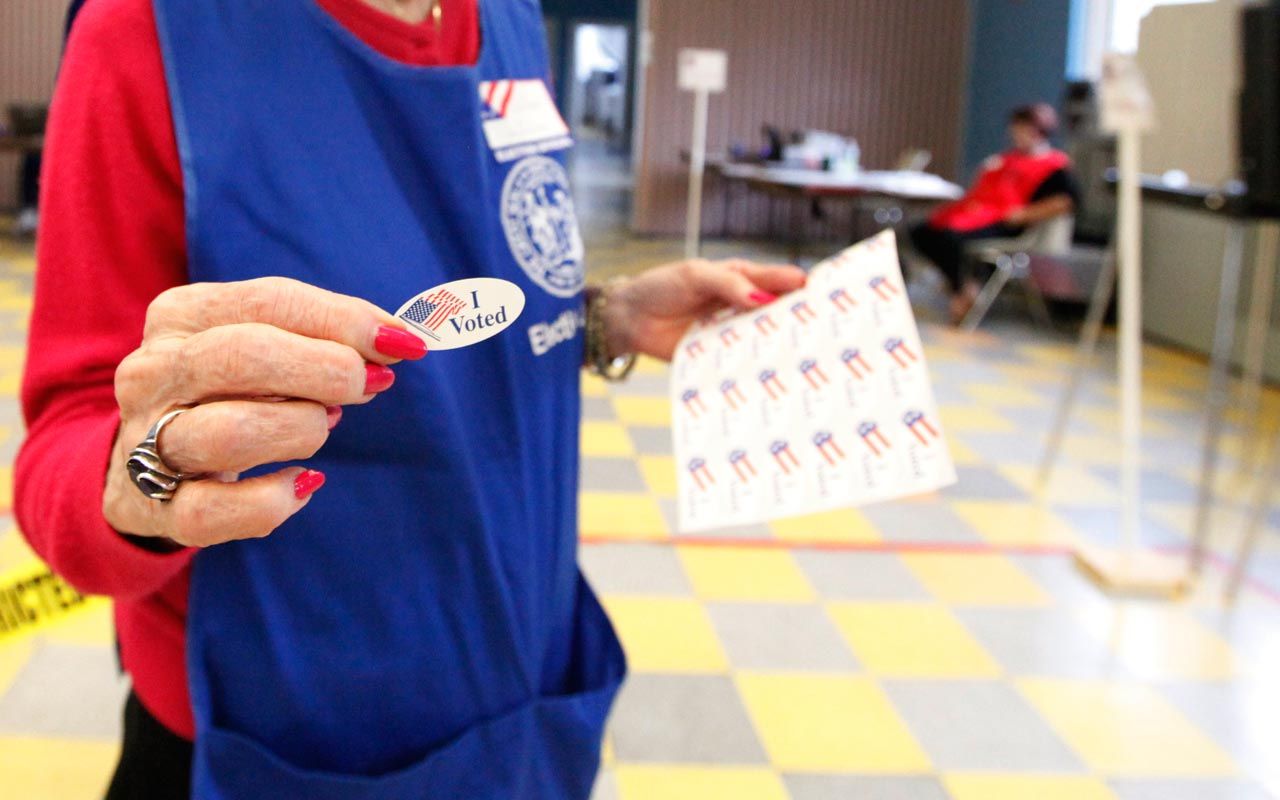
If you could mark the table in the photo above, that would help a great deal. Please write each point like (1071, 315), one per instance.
(816, 185)
(1231, 203)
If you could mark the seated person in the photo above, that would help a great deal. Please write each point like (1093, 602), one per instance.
(1025, 185)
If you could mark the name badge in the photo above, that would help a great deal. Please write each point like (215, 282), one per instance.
(521, 119)
(463, 313)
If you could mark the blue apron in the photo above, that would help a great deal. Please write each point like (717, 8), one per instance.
(421, 629)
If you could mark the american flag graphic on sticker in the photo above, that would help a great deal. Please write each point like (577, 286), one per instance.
(428, 313)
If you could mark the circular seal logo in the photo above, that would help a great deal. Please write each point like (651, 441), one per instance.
(541, 226)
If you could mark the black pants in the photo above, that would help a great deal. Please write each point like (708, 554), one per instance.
(945, 247)
(29, 191)
(155, 763)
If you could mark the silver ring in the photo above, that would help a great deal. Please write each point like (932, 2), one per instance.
(154, 478)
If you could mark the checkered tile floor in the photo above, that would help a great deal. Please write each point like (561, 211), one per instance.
(942, 647)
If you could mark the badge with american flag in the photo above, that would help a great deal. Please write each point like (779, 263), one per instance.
(428, 313)
(464, 312)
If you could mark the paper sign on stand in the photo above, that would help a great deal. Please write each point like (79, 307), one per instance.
(820, 400)
(1127, 111)
(703, 72)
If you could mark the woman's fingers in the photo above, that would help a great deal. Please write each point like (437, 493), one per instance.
(774, 279)
(742, 284)
(254, 360)
(208, 512)
(289, 305)
(237, 435)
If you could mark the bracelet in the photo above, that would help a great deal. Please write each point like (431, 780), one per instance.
(614, 369)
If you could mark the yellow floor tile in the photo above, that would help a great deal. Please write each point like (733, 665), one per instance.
(659, 473)
(1090, 449)
(1161, 643)
(829, 724)
(1003, 396)
(1025, 787)
(1108, 420)
(606, 439)
(66, 769)
(911, 640)
(14, 551)
(91, 624)
(651, 411)
(757, 575)
(655, 782)
(15, 302)
(843, 525)
(962, 454)
(6, 486)
(621, 514)
(1069, 485)
(1062, 354)
(974, 419)
(1015, 524)
(975, 579)
(646, 365)
(12, 357)
(594, 386)
(1033, 373)
(665, 634)
(1125, 729)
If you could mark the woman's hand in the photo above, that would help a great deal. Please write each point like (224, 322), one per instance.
(650, 313)
(265, 367)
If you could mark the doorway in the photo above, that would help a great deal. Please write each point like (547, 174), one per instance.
(598, 99)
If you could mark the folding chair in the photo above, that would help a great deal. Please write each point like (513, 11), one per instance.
(1012, 260)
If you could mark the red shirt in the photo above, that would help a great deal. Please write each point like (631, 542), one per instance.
(111, 239)
(1006, 183)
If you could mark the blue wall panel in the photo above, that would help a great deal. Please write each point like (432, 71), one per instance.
(1018, 54)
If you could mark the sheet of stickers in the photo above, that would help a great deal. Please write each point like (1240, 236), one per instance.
(817, 401)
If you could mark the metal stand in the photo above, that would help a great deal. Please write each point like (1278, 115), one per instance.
(1128, 568)
(1008, 267)
(1103, 291)
(1219, 385)
(1263, 491)
(1256, 333)
(697, 167)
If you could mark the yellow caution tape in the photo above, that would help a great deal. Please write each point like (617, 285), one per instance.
(32, 597)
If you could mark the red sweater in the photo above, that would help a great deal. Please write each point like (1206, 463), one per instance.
(111, 239)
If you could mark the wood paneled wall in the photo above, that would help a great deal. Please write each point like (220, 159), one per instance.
(30, 45)
(890, 72)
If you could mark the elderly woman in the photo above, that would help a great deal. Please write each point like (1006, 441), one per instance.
(1026, 185)
(235, 190)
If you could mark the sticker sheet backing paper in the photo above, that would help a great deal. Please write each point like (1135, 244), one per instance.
(820, 400)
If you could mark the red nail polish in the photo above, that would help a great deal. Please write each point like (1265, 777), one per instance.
(377, 378)
(335, 415)
(307, 483)
(399, 344)
(761, 298)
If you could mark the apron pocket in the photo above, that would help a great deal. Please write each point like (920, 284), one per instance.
(548, 749)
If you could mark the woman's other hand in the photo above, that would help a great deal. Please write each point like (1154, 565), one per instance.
(650, 313)
(265, 367)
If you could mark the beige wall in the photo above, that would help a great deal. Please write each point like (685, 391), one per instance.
(30, 43)
(891, 73)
